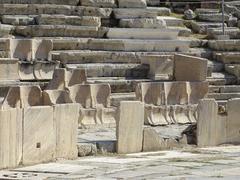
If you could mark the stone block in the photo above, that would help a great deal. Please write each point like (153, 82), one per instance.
(66, 119)
(52, 97)
(189, 68)
(210, 130)
(161, 67)
(130, 127)
(18, 20)
(9, 69)
(233, 122)
(22, 96)
(10, 138)
(76, 76)
(39, 135)
(132, 3)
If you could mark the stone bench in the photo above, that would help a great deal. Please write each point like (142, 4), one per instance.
(45, 19)
(225, 45)
(99, 3)
(60, 31)
(150, 12)
(64, 2)
(36, 9)
(142, 33)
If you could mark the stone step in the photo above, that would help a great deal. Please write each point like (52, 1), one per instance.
(97, 3)
(142, 33)
(202, 27)
(128, 45)
(206, 11)
(223, 96)
(227, 57)
(216, 17)
(224, 89)
(171, 21)
(149, 12)
(6, 30)
(60, 31)
(61, 2)
(218, 78)
(45, 19)
(118, 84)
(225, 45)
(91, 56)
(22, 20)
(234, 33)
(116, 98)
(113, 70)
(216, 66)
(233, 69)
(36, 9)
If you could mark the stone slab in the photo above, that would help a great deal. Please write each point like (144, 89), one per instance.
(130, 127)
(66, 119)
(39, 135)
(10, 138)
(189, 68)
(132, 3)
(9, 69)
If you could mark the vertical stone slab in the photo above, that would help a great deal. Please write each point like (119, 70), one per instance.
(39, 135)
(66, 119)
(189, 68)
(233, 121)
(130, 127)
(207, 125)
(10, 138)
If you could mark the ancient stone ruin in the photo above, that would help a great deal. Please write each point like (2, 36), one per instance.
(81, 77)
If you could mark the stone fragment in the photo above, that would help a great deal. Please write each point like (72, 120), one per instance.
(10, 138)
(164, 137)
(39, 135)
(189, 68)
(130, 127)
(66, 119)
(87, 149)
(189, 14)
